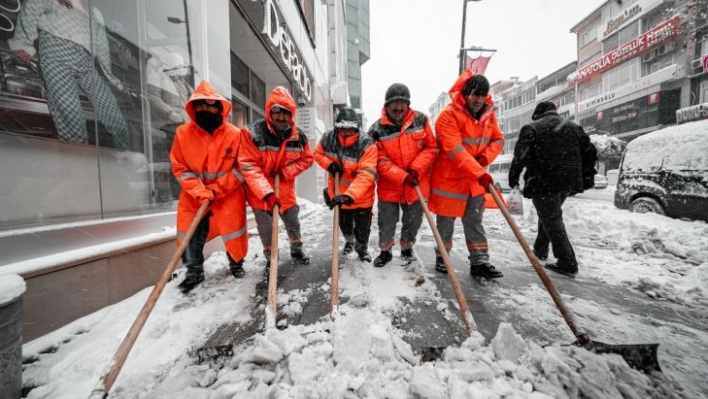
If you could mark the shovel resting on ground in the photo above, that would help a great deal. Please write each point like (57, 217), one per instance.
(640, 356)
(334, 286)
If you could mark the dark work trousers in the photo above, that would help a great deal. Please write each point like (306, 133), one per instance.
(355, 225)
(264, 223)
(193, 255)
(552, 230)
(475, 236)
(388, 218)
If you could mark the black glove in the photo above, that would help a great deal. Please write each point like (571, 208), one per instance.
(341, 200)
(335, 168)
(411, 179)
(325, 195)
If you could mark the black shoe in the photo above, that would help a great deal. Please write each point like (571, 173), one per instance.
(364, 256)
(237, 269)
(485, 270)
(299, 256)
(440, 265)
(190, 281)
(407, 255)
(570, 271)
(348, 248)
(542, 258)
(383, 258)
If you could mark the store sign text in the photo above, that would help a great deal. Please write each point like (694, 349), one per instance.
(615, 23)
(284, 43)
(631, 49)
(696, 112)
(646, 82)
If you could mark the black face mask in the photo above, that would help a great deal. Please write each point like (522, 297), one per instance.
(208, 121)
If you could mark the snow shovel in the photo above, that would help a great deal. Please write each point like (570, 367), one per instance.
(642, 356)
(334, 286)
(273, 277)
(467, 319)
(106, 382)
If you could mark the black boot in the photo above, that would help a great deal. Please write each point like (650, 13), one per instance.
(298, 255)
(440, 264)
(540, 257)
(191, 280)
(485, 270)
(407, 255)
(348, 248)
(383, 258)
(568, 270)
(364, 256)
(237, 269)
(193, 258)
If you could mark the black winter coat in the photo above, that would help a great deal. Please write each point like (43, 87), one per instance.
(558, 157)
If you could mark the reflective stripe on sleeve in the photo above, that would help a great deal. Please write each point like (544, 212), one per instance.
(187, 175)
(238, 175)
(453, 153)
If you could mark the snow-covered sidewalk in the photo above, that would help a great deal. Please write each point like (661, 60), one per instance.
(362, 354)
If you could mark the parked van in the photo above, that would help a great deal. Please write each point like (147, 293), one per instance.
(499, 170)
(666, 172)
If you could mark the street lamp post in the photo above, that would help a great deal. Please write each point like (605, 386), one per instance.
(462, 38)
(185, 21)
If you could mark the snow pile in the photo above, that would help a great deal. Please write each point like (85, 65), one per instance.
(363, 356)
(12, 287)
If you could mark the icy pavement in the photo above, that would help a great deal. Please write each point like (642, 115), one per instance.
(623, 294)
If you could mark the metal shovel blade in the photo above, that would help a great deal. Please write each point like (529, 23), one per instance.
(642, 357)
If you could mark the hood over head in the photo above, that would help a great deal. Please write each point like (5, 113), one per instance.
(280, 96)
(456, 91)
(205, 91)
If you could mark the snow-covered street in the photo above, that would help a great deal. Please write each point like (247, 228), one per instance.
(643, 279)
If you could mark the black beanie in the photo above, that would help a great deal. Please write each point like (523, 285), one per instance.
(477, 85)
(542, 108)
(397, 92)
(347, 119)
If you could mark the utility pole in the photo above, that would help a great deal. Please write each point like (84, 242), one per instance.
(462, 38)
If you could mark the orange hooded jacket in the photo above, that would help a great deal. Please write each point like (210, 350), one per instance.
(357, 155)
(412, 147)
(206, 167)
(263, 155)
(462, 138)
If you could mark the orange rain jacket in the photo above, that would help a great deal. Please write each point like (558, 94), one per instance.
(462, 138)
(263, 155)
(358, 158)
(206, 167)
(412, 147)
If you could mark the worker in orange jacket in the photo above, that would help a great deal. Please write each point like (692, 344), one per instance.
(203, 158)
(469, 138)
(346, 150)
(407, 149)
(275, 146)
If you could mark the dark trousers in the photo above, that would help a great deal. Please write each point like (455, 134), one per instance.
(193, 255)
(551, 229)
(355, 225)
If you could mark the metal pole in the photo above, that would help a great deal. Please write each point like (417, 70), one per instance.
(189, 44)
(462, 38)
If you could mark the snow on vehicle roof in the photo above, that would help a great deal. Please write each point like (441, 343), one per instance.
(682, 146)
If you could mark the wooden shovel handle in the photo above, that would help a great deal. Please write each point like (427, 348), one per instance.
(470, 325)
(273, 276)
(334, 286)
(107, 380)
(567, 315)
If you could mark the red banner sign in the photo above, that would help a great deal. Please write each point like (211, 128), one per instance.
(647, 41)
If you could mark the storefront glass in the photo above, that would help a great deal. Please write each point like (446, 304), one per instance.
(91, 92)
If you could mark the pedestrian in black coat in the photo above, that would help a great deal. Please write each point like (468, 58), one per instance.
(559, 160)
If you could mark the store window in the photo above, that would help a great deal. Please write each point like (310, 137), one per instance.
(91, 94)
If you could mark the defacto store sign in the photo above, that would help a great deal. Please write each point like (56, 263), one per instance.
(694, 113)
(284, 45)
(643, 83)
(647, 41)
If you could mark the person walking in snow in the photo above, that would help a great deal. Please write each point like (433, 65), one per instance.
(559, 160)
(346, 151)
(271, 147)
(469, 138)
(407, 149)
(203, 158)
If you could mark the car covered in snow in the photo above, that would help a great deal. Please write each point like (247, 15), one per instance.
(666, 172)
(600, 181)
